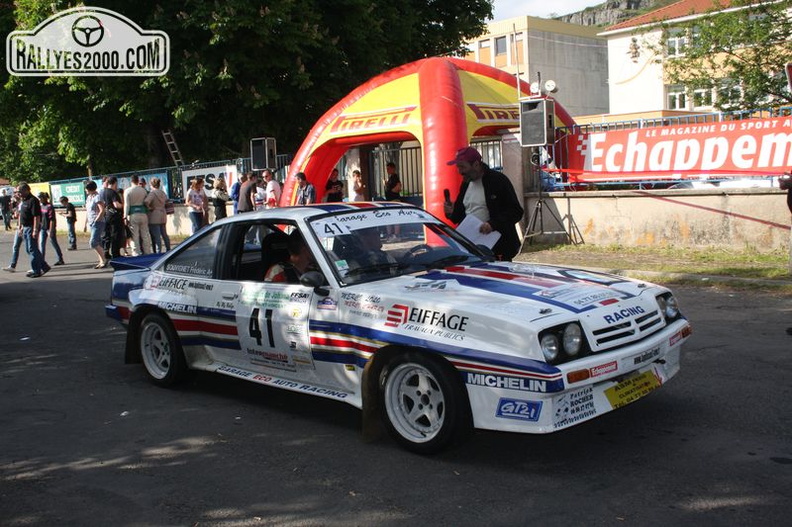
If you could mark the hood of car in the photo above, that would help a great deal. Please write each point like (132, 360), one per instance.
(500, 305)
(539, 289)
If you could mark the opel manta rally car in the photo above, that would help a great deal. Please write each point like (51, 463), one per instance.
(424, 330)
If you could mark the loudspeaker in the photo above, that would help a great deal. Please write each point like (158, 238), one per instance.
(263, 153)
(537, 122)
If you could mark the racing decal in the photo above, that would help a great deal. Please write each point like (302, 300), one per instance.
(633, 388)
(624, 313)
(566, 296)
(196, 268)
(346, 223)
(176, 307)
(574, 406)
(362, 305)
(498, 273)
(447, 325)
(581, 298)
(327, 303)
(431, 286)
(260, 296)
(167, 283)
(281, 383)
(273, 326)
(519, 409)
(207, 327)
(200, 286)
(645, 356)
(603, 369)
(682, 334)
(507, 382)
(464, 359)
(342, 348)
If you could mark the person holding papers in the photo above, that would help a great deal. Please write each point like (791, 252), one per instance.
(489, 196)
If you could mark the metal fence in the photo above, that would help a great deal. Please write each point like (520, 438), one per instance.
(409, 166)
(170, 176)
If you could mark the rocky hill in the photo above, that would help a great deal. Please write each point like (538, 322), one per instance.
(612, 12)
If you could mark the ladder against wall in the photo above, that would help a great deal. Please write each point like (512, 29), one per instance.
(173, 148)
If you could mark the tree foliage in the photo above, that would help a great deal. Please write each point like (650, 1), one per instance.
(239, 69)
(739, 53)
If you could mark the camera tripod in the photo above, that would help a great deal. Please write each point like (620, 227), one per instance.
(536, 225)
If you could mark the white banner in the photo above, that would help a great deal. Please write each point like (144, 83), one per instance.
(209, 175)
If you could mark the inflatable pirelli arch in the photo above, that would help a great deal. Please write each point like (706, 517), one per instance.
(442, 103)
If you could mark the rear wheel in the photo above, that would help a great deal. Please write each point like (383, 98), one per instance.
(425, 405)
(161, 351)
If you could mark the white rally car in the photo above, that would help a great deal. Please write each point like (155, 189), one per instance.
(420, 326)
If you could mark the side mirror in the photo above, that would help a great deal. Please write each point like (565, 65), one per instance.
(316, 280)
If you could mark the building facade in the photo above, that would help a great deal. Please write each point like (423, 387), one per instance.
(572, 56)
(638, 53)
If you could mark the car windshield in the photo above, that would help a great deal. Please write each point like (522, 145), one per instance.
(378, 243)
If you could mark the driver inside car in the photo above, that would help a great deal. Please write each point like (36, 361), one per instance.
(372, 254)
(300, 262)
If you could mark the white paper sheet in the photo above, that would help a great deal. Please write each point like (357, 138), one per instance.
(469, 228)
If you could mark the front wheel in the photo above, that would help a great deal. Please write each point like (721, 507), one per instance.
(161, 351)
(425, 405)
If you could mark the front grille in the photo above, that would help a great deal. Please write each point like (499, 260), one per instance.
(626, 332)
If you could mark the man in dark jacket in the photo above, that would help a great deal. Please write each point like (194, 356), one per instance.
(490, 196)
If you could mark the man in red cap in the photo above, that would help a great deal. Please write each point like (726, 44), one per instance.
(490, 196)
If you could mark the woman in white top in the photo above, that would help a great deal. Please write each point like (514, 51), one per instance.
(358, 187)
(199, 205)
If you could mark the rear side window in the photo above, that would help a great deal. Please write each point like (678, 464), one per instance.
(198, 259)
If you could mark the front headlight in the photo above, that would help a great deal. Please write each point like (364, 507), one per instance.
(572, 339)
(668, 306)
(550, 347)
(563, 343)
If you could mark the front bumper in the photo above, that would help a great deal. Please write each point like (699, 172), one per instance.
(617, 378)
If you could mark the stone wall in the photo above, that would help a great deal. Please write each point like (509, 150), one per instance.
(729, 218)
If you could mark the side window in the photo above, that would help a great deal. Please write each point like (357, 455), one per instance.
(254, 247)
(198, 259)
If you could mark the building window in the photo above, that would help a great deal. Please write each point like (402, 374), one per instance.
(729, 93)
(500, 46)
(675, 43)
(484, 44)
(677, 98)
(702, 98)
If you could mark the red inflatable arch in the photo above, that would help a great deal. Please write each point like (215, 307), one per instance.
(440, 102)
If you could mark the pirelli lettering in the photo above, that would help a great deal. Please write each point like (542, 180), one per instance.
(495, 113)
(386, 119)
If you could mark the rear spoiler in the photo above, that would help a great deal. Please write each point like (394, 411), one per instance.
(135, 262)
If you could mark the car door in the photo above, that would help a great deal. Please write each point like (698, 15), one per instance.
(270, 319)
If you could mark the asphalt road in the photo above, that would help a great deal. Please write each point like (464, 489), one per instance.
(86, 440)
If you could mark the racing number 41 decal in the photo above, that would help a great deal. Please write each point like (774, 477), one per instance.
(254, 327)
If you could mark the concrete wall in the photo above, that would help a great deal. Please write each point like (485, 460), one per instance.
(728, 218)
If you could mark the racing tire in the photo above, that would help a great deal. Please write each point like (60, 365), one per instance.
(424, 404)
(161, 351)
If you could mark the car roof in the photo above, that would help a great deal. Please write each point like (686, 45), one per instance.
(306, 212)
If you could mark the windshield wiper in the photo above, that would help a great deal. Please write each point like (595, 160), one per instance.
(447, 260)
(375, 268)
